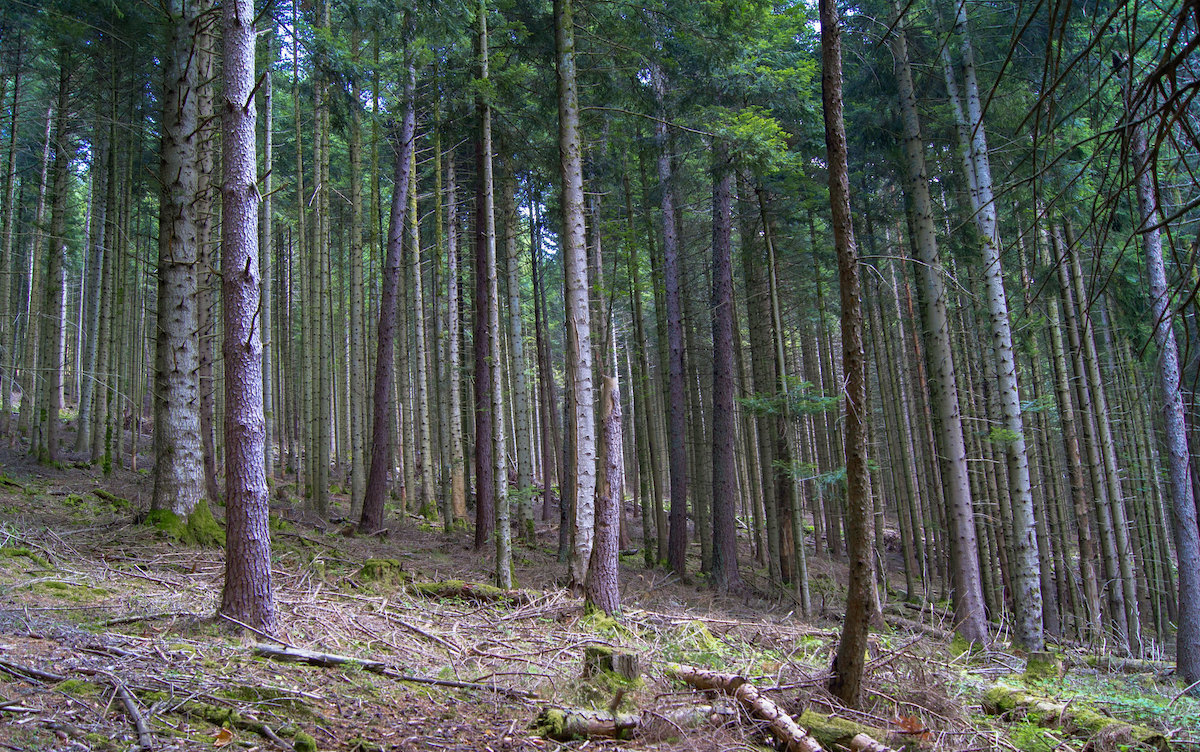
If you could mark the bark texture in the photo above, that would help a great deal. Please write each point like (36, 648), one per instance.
(248, 595)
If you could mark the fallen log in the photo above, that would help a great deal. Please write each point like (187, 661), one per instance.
(782, 726)
(568, 724)
(1076, 720)
(474, 592)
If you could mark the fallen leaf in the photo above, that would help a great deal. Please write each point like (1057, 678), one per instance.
(223, 737)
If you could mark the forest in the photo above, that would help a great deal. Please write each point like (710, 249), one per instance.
(839, 361)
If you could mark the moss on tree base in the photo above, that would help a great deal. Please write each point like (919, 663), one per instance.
(200, 528)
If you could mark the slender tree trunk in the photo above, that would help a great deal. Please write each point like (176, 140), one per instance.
(1187, 534)
(848, 664)
(89, 326)
(520, 387)
(7, 266)
(33, 317)
(969, 615)
(579, 338)
(677, 422)
(427, 503)
(381, 436)
(1027, 592)
(266, 245)
(457, 459)
(248, 594)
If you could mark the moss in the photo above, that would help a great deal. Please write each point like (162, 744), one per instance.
(277, 698)
(834, 733)
(459, 589)
(99, 742)
(22, 551)
(382, 570)
(278, 523)
(359, 744)
(551, 723)
(1043, 665)
(68, 591)
(78, 687)
(200, 529)
(302, 742)
(960, 645)
(1030, 738)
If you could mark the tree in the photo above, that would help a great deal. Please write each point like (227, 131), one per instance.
(725, 565)
(248, 595)
(848, 662)
(381, 433)
(579, 343)
(178, 473)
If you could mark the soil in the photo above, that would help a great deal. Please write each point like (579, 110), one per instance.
(107, 624)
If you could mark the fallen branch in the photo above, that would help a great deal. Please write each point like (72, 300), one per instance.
(785, 729)
(327, 660)
(145, 738)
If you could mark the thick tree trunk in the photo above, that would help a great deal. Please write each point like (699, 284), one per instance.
(248, 596)
(579, 338)
(848, 663)
(178, 472)
(602, 584)
(724, 422)
(969, 612)
(381, 436)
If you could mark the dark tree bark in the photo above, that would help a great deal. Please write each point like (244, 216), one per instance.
(248, 596)
(602, 585)
(848, 663)
(724, 422)
(381, 435)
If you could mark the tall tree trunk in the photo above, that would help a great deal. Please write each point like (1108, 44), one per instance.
(676, 398)
(206, 280)
(969, 615)
(33, 318)
(489, 301)
(849, 662)
(89, 326)
(1027, 589)
(47, 422)
(1187, 534)
(266, 246)
(457, 460)
(248, 595)
(178, 471)
(381, 436)
(724, 422)
(579, 338)
(427, 503)
(7, 265)
(520, 388)
(358, 345)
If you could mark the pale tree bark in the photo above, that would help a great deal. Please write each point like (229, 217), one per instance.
(969, 612)
(1027, 588)
(248, 595)
(28, 378)
(427, 504)
(178, 470)
(266, 247)
(381, 435)
(848, 663)
(516, 336)
(579, 340)
(89, 326)
(1187, 534)
(206, 280)
(7, 338)
(724, 422)
(45, 440)
(603, 591)
(457, 459)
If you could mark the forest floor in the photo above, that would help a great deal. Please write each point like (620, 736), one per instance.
(106, 625)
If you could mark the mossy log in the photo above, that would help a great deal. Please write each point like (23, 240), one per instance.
(1077, 720)
(839, 733)
(1119, 665)
(599, 659)
(783, 726)
(567, 724)
(470, 591)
